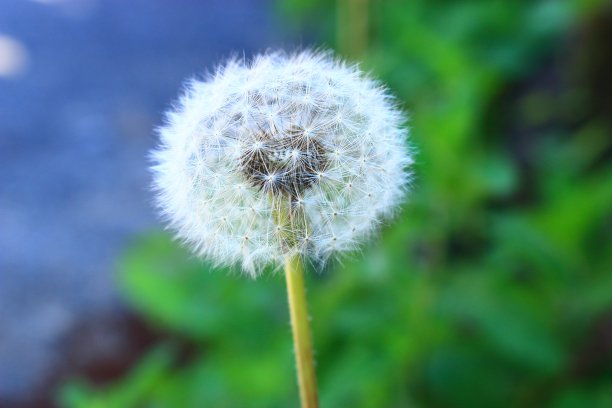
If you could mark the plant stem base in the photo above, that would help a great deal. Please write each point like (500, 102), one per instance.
(300, 325)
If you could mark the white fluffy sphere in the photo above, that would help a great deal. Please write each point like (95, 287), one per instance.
(287, 155)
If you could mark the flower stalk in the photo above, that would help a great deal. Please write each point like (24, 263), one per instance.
(300, 325)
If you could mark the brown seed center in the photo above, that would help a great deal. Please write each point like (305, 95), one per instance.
(284, 163)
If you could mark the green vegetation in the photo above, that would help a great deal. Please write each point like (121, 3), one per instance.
(493, 288)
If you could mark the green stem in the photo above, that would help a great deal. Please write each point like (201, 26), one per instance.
(352, 27)
(294, 272)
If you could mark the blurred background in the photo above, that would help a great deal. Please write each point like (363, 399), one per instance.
(493, 288)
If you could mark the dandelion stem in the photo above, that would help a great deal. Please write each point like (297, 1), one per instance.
(352, 34)
(294, 272)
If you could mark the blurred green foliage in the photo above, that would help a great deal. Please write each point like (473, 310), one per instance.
(494, 286)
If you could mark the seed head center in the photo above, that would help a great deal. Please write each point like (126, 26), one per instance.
(284, 162)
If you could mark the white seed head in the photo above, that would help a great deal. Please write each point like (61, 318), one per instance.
(287, 155)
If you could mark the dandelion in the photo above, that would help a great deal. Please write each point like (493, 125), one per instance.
(286, 158)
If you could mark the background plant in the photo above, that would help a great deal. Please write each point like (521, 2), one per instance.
(495, 286)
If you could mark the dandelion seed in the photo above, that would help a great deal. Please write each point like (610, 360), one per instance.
(303, 135)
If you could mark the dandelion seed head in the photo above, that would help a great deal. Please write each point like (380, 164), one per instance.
(286, 155)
